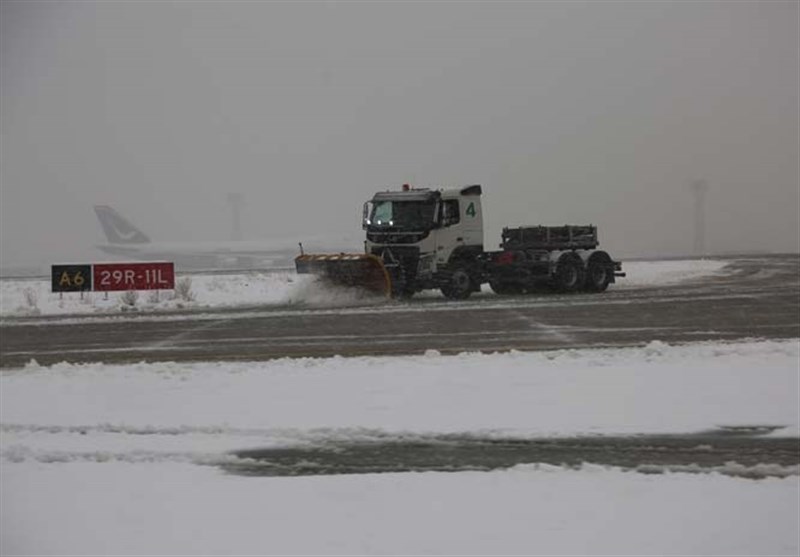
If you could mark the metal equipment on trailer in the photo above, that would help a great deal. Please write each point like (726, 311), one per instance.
(419, 239)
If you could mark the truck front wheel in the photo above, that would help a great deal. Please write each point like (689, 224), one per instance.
(460, 285)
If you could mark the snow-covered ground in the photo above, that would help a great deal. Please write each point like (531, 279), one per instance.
(33, 296)
(177, 509)
(655, 388)
(120, 459)
(664, 273)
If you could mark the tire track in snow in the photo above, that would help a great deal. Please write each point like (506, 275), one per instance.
(747, 452)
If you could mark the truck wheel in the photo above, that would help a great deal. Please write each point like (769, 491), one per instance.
(598, 273)
(401, 290)
(505, 288)
(460, 285)
(570, 274)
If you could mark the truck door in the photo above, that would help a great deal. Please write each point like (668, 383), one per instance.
(449, 236)
(471, 225)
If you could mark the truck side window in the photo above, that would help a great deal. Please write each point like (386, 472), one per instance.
(450, 212)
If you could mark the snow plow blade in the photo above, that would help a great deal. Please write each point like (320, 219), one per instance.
(359, 270)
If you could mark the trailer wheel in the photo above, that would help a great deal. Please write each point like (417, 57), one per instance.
(460, 285)
(570, 274)
(599, 272)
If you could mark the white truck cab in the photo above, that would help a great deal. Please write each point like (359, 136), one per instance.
(428, 234)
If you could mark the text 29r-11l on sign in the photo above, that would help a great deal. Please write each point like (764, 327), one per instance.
(133, 276)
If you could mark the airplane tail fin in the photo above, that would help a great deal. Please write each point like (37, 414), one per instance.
(117, 229)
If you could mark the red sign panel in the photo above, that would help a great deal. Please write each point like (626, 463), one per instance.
(133, 276)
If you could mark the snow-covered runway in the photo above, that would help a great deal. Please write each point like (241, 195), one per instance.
(746, 298)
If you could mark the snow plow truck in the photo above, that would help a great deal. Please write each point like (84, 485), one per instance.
(418, 239)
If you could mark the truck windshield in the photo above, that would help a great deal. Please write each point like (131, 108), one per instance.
(407, 215)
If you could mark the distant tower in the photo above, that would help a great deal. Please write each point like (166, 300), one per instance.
(236, 202)
(699, 188)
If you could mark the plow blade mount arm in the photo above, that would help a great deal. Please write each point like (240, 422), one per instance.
(361, 270)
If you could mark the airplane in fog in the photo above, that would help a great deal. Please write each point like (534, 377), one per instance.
(127, 241)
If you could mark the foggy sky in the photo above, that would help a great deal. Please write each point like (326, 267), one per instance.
(600, 112)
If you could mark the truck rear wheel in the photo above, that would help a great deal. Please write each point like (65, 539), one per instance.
(570, 273)
(599, 272)
(460, 285)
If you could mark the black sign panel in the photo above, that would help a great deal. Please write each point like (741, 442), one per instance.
(71, 278)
